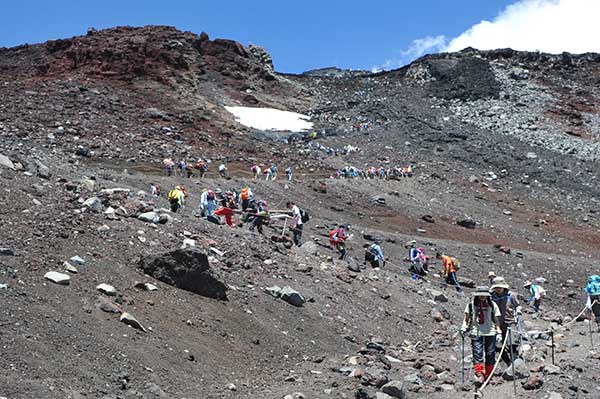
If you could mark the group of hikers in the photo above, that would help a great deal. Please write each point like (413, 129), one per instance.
(330, 151)
(216, 203)
(189, 169)
(372, 172)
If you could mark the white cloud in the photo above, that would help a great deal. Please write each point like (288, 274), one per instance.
(551, 26)
(418, 47)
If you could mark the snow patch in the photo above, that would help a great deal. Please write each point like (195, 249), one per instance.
(271, 119)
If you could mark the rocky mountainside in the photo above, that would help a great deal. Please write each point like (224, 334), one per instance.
(505, 152)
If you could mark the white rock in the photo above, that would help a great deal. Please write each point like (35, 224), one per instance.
(58, 278)
(188, 242)
(78, 260)
(128, 319)
(5, 162)
(107, 289)
(70, 268)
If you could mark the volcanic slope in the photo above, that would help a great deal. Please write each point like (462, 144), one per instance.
(504, 139)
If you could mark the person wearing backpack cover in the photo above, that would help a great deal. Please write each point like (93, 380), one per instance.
(297, 222)
(246, 195)
(450, 267)
(337, 239)
(510, 309)
(593, 297)
(374, 254)
(482, 325)
(176, 198)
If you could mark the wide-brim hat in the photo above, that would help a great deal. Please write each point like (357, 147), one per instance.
(499, 282)
(481, 291)
(491, 274)
(527, 284)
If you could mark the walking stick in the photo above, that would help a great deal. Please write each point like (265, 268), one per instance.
(552, 337)
(590, 325)
(463, 360)
(512, 360)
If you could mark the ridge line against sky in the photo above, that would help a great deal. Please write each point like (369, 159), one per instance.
(551, 26)
(348, 34)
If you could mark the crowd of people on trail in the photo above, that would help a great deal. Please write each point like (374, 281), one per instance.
(189, 169)
(217, 203)
(313, 146)
(372, 172)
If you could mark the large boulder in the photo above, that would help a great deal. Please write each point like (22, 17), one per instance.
(395, 389)
(520, 371)
(187, 269)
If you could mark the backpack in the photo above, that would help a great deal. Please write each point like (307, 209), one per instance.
(593, 287)
(173, 195)
(333, 234)
(210, 195)
(304, 216)
(245, 194)
(456, 264)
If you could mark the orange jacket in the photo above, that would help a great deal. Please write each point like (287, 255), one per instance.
(448, 265)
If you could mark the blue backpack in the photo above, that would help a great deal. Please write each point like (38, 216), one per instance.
(593, 287)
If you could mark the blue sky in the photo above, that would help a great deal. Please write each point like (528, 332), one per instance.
(299, 35)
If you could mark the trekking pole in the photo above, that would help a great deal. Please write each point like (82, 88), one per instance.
(552, 337)
(463, 360)
(512, 359)
(590, 325)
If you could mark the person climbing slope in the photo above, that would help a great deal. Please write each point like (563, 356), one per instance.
(592, 290)
(510, 309)
(337, 239)
(450, 267)
(482, 323)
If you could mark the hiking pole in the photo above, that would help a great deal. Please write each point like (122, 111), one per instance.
(463, 359)
(512, 359)
(552, 337)
(590, 325)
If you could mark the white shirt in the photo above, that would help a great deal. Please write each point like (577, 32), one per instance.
(296, 215)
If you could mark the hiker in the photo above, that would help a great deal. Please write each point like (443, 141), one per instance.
(337, 239)
(451, 266)
(256, 171)
(267, 173)
(374, 254)
(297, 222)
(412, 252)
(592, 290)
(482, 324)
(246, 195)
(261, 215)
(491, 277)
(536, 293)
(510, 309)
(154, 190)
(202, 167)
(169, 166)
(273, 170)
(176, 198)
(288, 172)
(182, 166)
(208, 203)
(223, 171)
(420, 265)
(189, 170)
(226, 209)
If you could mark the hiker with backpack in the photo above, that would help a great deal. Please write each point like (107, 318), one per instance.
(297, 222)
(226, 209)
(154, 190)
(510, 310)
(420, 264)
(337, 239)
(169, 166)
(374, 254)
(208, 203)
(223, 171)
(482, 324)
(288, 173)
(246, 195)
(176, 198)
(202, 167)
(260, 216)
(450, 267)
(536, 293)
(255, 171)
(592, 290)
(273, 170)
